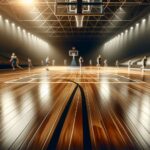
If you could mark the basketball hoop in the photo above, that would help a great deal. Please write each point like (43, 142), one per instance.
(73, 53)
(79, 9)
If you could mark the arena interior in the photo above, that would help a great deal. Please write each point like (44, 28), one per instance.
(75, 74)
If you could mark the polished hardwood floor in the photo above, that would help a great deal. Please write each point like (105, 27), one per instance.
(74, 109)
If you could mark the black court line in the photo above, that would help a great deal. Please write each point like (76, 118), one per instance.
(86, 132)
(54, 140)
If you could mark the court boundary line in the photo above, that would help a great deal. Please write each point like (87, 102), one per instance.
(126, 78)
(32, 79)
(68, 82)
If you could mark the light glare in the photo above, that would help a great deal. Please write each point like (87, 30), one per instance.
(6, 20)
(27, 1)
(144, 20)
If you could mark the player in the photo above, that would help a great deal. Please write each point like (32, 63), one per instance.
(144, 60)
(117, 63)
(53, 62)
(80, 61)
(15, 61)
(42, 62)
(65, 62)
(90, 62)
(47, 61)
(129, 64)
(29, 63)
(99, 60)
(105, 63)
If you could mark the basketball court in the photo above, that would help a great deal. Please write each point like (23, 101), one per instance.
(72, 108)
(74, 75)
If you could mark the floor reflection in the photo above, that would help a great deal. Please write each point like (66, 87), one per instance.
(117, 109)
(14, 121)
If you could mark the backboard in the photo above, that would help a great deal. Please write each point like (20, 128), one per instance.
(73, 52)
(79, 7)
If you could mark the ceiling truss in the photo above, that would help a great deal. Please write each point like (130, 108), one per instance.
(41, 18)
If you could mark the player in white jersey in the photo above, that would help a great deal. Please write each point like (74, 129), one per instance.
(80, 61)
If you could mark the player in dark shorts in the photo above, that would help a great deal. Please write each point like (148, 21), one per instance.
(14, 61)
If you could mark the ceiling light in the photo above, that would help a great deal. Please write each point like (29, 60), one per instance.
(131, 28)
(6, 20)
(144, 20)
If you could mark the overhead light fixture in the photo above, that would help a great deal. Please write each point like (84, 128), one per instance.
(131, 28)
(6, 20)
(144, 20)
(23, 30)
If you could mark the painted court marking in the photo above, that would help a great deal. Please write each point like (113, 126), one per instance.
(33, 78)
(70, 82)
